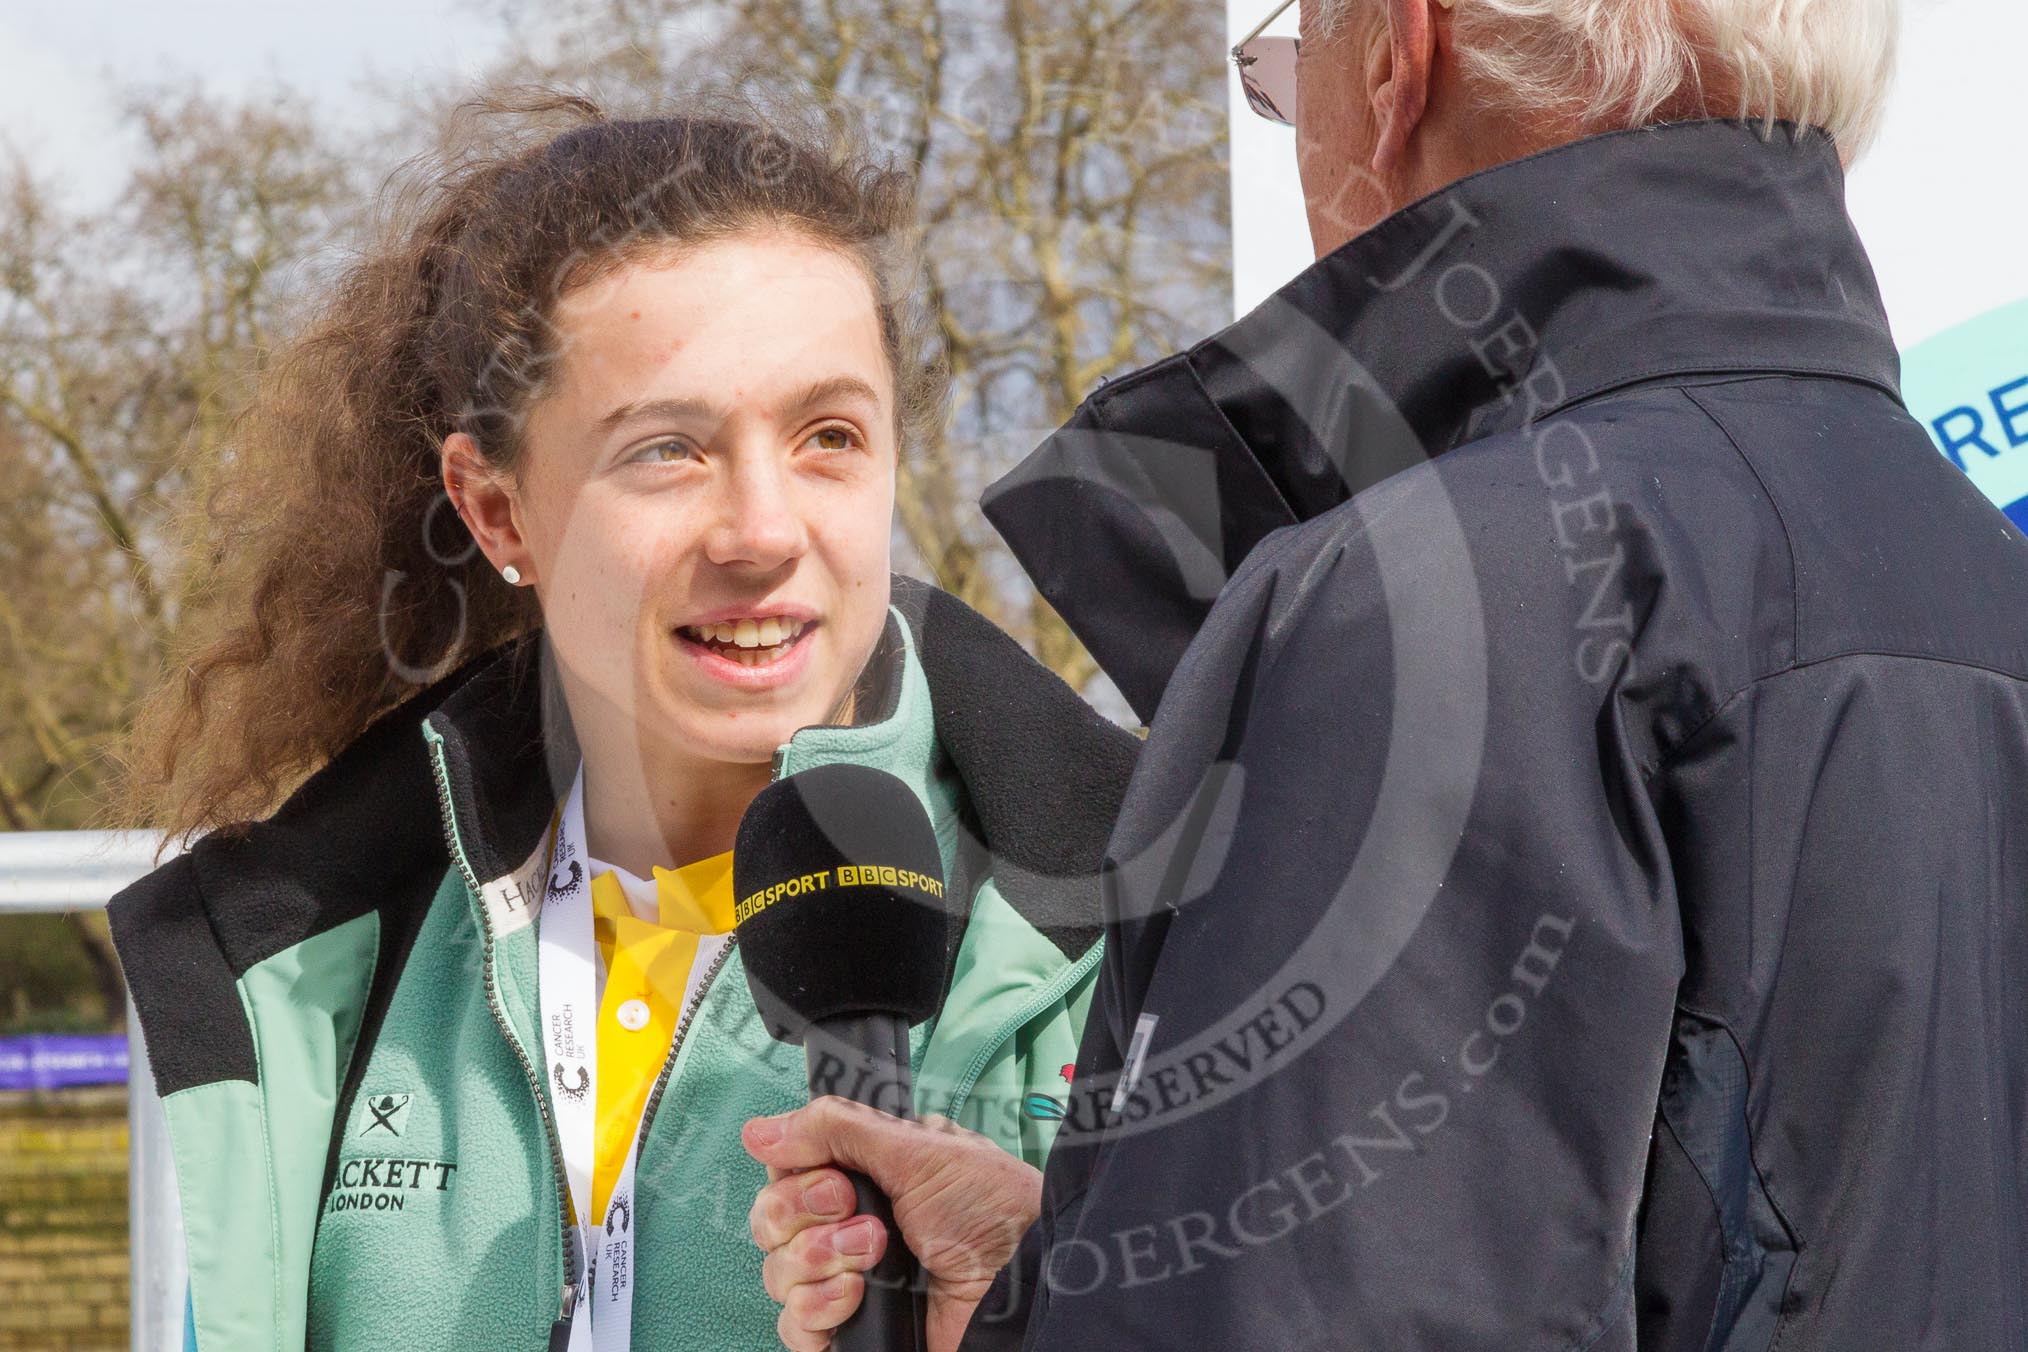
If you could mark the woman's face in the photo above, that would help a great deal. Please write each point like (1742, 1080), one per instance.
(707, 492)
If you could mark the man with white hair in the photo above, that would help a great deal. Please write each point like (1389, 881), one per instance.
(1574, 894)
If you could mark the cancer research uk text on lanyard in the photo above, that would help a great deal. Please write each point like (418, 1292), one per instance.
(572, 985)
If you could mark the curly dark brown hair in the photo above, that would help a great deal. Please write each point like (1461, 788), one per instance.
(336, 580)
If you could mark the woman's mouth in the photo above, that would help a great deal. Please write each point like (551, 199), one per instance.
(748, 642)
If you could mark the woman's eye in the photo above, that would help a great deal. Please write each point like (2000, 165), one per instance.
(666, 451)
(832, 438)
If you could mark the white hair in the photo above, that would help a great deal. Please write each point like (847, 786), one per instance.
(1629, 63)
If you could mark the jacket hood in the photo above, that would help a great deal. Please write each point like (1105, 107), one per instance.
(1505, 298)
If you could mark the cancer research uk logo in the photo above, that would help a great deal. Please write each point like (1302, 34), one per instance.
(1969, 387)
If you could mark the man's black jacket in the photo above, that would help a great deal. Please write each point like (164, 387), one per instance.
(1575, 891)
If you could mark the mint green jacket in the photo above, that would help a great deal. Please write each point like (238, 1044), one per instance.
(341, 1008)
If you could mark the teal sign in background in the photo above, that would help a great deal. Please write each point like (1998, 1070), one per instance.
(1969, 386)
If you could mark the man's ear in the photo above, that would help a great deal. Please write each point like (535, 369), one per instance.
(485, 504)
(1400, 90)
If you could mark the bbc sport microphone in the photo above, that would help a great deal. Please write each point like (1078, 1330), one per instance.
(846, 934)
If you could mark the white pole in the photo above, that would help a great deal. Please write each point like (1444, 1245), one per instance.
(55, 871)
(157, 1265)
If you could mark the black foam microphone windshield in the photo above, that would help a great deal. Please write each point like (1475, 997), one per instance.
(846, 932)
(839, 899)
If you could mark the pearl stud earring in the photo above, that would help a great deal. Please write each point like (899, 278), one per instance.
(512, 574)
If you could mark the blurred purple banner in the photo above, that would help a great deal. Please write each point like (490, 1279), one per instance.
(61, 1060)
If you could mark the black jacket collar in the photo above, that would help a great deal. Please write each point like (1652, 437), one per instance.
(1514, 294)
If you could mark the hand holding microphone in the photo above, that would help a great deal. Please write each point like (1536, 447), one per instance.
(960, 1201)
(847, 936)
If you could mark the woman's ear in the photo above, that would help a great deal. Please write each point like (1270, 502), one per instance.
(1399, 78)
(486, 505)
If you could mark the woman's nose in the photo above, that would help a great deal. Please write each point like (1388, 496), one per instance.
(758, 524)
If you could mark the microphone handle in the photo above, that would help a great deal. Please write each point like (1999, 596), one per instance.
(865, 1058)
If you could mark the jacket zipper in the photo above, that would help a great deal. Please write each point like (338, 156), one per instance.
(696, 1001)
(571, 1260)
(676, 1039)
(683, 1022)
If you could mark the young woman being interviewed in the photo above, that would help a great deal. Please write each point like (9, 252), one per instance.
(663, 371)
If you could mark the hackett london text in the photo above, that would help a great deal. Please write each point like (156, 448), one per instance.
(373, 1184)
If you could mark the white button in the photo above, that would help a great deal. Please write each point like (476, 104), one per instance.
(633, 1015)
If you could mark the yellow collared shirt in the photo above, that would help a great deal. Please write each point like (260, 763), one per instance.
(650, 970)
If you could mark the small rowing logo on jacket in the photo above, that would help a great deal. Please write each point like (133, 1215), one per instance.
(382, 1114)
(1045, 1108)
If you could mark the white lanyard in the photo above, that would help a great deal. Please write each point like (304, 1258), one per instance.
(568, 980)
(611, 1280)
(572, 985)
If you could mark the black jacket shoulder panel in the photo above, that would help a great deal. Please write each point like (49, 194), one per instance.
(361, 834)
(181, 984)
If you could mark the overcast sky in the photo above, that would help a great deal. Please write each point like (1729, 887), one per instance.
(62, 60)
(1940, 201)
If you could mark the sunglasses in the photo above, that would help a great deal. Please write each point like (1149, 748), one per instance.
(1267, 70)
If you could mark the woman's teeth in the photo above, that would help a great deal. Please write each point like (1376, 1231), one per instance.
(750, 643)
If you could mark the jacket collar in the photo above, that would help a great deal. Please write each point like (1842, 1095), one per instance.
(1687, 249)
(1042, 774)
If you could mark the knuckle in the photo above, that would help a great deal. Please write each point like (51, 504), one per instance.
(771, 1216)
(828, 1111)
(794, 1336)
(819, 1307)
(800, 1260)
(804, 1303)
(842, 1295)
